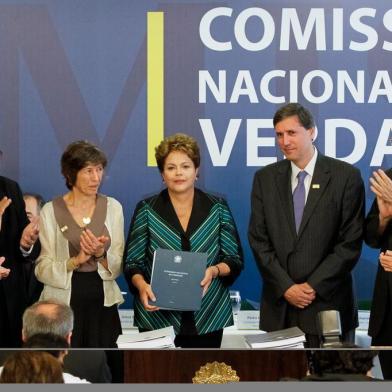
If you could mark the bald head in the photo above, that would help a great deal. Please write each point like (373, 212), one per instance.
(47, 317)
(49, 310)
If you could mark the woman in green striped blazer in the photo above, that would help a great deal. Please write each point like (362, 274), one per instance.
(183, 217)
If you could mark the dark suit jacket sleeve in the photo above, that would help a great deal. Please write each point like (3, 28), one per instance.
(261, 245)
(22, 221)
(372, 222)
(90, 365)
(347, 249)
(17, 201)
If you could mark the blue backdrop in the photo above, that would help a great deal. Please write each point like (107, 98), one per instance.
(77, 70)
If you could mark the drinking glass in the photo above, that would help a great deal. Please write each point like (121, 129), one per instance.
(235, 301)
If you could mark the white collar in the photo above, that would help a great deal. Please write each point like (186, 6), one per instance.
(309, 168)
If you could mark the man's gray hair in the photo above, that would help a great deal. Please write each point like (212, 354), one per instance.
(50, 316)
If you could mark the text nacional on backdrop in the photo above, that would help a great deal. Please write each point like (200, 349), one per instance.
(360, 86)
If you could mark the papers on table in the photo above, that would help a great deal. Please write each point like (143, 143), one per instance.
(159, 338)
(284, 338)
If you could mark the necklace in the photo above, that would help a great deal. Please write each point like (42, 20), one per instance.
(86, 220)
(83, 210)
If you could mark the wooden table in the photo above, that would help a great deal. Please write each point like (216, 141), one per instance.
(179, 365)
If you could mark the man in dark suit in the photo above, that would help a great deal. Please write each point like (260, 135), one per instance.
(17, 237)
(306, 231)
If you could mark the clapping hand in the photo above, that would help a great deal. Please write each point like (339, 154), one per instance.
(4, 203)
(386, 260)
(4, 272)
(381, 185)
(92, 245)
(30, 233)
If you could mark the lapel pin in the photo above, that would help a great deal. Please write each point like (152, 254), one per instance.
(315, 186)
(64, 228)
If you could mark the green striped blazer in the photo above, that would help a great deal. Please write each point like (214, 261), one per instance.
(211, 229)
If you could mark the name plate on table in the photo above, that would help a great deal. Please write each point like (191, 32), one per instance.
(176, 277)
(126, 318)
(363, 318)
(248, 319)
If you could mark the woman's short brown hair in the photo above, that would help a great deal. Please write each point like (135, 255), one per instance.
(78, 155)
(177, 142)
(31, 367)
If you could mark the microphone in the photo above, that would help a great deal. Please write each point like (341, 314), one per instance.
(330, 330)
